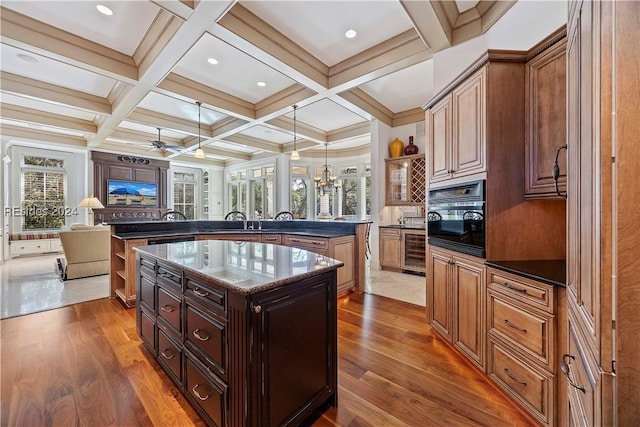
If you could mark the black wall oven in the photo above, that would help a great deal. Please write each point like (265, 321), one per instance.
(456, 218)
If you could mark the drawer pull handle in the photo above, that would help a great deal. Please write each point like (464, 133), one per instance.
(200, 293)
(167, 308)
(257, 309)
(513, 288)
(510, 375)
(200, 337)
(564, 367)
(512, 326)
(195, 391)
(167, 356)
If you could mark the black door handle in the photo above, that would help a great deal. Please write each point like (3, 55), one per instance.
(556, 171)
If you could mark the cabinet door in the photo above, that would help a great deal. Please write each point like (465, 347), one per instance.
(469, 301)
(440, 126)
(545, 121)
(469, 117)
(390, 248)
(397, 185)
(439, 293)
(589, 340)
(295, 332)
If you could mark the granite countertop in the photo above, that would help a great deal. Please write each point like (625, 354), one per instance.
(243, 267)
(552, 272)
(297, 232)
(405, 227)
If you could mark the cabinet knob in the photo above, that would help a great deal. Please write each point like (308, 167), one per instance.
(257, 309)
(450, 171)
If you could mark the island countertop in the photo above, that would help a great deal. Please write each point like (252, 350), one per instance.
(243, 267)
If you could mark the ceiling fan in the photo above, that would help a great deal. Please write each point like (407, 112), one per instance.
(161, 145)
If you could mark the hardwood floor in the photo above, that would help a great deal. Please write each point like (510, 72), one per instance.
(84, 365)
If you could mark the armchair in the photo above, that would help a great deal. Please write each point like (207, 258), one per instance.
(86, 250)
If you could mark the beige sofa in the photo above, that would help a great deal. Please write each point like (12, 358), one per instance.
(86, 250)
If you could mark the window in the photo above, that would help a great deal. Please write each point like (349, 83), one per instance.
(299, 197)
(238, 192)
(262, 192)
(348, 198)
(184, 193)
(43, 193)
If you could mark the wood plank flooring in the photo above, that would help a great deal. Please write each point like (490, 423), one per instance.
(85, 365)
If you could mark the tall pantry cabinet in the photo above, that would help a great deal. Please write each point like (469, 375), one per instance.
(603, 289)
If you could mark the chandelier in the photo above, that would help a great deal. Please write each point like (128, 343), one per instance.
(326, 182)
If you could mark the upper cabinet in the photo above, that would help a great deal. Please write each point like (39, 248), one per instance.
(457, 132)
(405, 184)
(546, 117)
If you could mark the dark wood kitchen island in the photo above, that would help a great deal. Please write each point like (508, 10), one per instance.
(247, 331)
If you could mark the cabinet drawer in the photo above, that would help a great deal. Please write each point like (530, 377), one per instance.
(536, 294)
(528, 330)
(169, 308)
(207, 393)
(55, 245)
(530, 386)
(148, 268)
(319, 245)
(170, 355)
(167, 276)
(25, 246)
(148, 293)
(206, 337)
(148, 331)
(275, 239)
(211, 296)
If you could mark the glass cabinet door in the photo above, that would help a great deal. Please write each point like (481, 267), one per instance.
(397, 182)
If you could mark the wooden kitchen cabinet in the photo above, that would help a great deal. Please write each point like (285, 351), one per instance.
(457, 130)
(122, 276)
(390, 249)
(402, 249)
(456, 301)
(546, 117)
(405, 181)
(232, 354)
(523, 334)
(340, 248)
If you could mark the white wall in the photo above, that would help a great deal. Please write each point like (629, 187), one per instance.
(524, 25)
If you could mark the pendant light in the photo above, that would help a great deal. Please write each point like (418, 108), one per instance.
(199, 154)
(294, 154)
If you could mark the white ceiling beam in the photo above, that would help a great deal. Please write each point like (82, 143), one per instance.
(258, 144)
(165, 121)
(35, 89)
(45, 136)
(29, 115)
(184, 38)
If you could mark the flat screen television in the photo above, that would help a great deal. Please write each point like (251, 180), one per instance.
(131, 193)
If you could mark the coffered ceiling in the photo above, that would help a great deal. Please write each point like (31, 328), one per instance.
(71, 75)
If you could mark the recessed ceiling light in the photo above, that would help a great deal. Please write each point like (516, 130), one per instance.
(104, 10)
(261, 84)
(350, 34)
(212, 61)
(27, 58)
